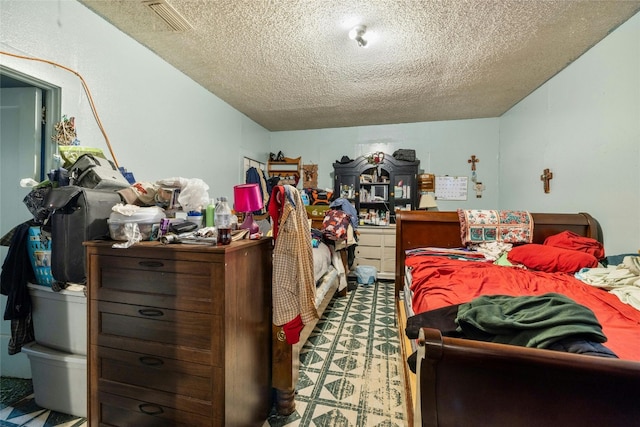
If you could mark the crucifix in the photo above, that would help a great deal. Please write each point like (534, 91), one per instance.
(546, 176)
(473, 160)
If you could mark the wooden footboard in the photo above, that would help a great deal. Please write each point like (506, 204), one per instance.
(463, 382)
(286, 357)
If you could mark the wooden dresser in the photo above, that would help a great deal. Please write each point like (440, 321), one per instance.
(377, 248)
(179, 335)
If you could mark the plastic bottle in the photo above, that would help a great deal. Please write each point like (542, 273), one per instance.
(208, 217)
(223, 221)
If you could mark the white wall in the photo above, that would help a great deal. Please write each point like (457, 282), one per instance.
(160, 123)
(584, 125)
(443, 148)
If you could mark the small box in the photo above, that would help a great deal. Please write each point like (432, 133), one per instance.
(59, 319)
(59, 379)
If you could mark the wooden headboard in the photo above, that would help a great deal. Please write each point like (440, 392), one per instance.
(416, 229)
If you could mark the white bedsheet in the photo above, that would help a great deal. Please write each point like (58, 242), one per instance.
(321, 260)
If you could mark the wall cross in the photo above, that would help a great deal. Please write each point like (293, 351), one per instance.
(473, 160)
(546, 176)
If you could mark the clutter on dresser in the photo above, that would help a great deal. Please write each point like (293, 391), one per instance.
(90, 171)
(103, 205)
(126, 220)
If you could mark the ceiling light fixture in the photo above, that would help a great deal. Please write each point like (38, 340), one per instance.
(357, 34)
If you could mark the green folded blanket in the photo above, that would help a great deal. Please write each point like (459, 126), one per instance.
(530, 321)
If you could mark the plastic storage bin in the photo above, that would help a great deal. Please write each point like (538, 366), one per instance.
(59, 379)
(144, 217)
(366, 274)
(59, 319)
(39, 249)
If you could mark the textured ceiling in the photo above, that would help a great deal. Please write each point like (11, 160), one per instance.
(289, 64)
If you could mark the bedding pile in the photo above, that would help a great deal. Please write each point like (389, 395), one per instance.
(622, 280)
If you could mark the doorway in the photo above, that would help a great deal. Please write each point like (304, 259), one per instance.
(29, 108)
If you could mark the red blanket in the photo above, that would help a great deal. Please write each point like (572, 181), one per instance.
(439, 281)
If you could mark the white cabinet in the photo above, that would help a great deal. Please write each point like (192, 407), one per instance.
(377, 248)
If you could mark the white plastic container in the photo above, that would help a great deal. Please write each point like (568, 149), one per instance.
(144, 217)
(59, 319)
(59, 379)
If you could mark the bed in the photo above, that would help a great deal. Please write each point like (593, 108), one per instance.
(460, 381)
(330, 265)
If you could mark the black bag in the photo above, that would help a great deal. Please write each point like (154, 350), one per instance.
(90, 171)
(79, 214)
(405, 154)
(36, 202)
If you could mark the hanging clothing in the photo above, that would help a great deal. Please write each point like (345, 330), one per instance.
(293, 283)
(257, 176)
(16, 273)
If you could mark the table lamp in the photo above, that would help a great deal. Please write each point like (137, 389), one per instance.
(427, 202)
(248, 198)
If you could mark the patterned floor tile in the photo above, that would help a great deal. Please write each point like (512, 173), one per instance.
(351, 377)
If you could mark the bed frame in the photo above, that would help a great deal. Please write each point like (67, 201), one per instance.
(464, 382)
(286, 357)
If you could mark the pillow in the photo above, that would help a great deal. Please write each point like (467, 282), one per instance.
(550, 258)
(478, 226)
(570, 240)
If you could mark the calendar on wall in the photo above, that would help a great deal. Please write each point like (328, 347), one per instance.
(451, 187)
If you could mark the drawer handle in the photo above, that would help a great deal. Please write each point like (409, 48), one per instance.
(151, 361)
(151, 312)
(149, 409)
(151, 264)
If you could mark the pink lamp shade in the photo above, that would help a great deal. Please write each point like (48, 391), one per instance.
(248, 198)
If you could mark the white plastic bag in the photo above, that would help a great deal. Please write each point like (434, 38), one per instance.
(194, 192)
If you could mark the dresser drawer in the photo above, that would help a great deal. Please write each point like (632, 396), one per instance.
(182, 285)
(389, 240)
(153, 372)
(389, 266)
(368, 252)
(122, 411)
(370, 239)
(160, 325)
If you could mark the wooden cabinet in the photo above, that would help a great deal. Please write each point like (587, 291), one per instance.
(378, 188)
(179, 335)
(377, 247)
